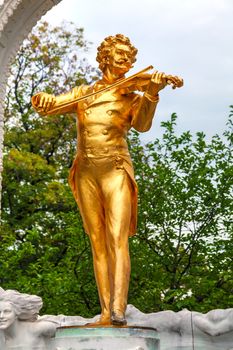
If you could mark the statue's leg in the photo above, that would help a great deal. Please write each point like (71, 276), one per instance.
(91, 208)
(117, 190)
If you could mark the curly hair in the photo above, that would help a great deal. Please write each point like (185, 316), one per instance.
(26, 306)
(105, 47)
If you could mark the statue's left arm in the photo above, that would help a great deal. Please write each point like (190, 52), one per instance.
(144, 107)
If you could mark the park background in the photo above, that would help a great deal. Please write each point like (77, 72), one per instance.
(182, 254)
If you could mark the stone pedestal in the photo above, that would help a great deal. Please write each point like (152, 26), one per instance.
(106, 338)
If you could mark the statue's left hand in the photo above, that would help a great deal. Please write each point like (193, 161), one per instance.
(158, 82)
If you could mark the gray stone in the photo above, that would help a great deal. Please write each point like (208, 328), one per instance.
(21, 329)
(105, 338)
(184, 330)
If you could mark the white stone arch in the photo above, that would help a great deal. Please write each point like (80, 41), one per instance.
(17, 17)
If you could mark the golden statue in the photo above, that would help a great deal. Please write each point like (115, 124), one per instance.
(102, 176)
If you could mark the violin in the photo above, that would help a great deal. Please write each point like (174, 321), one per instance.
(140, 81)
(136, 82)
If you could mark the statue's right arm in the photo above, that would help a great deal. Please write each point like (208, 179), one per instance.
(43, 103)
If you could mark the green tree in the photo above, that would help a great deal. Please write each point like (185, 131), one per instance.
(44, 249)
(182, 254)
(185, 221)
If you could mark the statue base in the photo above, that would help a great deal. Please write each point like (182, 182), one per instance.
(106, 338)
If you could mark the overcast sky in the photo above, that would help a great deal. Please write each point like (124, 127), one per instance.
(189, 38)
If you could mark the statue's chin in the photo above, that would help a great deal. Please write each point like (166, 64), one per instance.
(121, 69)
(4, 325)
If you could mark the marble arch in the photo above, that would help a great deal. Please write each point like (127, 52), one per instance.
(17, 17)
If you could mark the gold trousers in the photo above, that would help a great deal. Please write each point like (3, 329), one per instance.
(105, 192)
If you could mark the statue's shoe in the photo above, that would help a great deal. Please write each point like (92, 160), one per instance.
(118, 318)
(102, 321)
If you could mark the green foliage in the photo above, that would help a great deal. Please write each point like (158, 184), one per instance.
(185, 223)
(44, 249)
(182, 254)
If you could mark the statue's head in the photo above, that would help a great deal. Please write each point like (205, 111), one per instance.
(7, 314)
(15, 305)
(117, 53)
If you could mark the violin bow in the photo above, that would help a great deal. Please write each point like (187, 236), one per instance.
(82, 98)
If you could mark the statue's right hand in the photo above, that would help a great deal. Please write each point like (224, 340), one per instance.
(45, 103)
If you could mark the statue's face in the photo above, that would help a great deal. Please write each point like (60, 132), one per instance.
(120, 59)
(7, 314)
